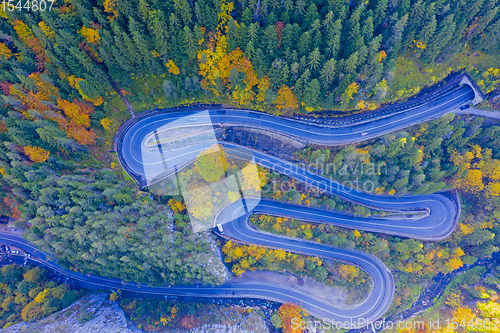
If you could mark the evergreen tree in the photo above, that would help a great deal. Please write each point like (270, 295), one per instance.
(253, 34)
(233, 35)
(312, 93)
(380, 12)
(444, 34)
(328, 73)
(183, 10)
(314, 60)
(415, 20)
(141, 44)
(333, 40)
(304, 44)
(190, 43)
(271, 41)
(353, 37)
(160, 31)
(429, 27)
(368, 30)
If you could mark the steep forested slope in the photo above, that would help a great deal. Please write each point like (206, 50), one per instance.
(69, 77)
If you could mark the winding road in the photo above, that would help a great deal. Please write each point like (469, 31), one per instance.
(148, 163)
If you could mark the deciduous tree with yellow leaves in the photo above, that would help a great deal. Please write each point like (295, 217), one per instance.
(36, 154)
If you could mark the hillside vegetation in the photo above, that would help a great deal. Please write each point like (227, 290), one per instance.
(70, 76)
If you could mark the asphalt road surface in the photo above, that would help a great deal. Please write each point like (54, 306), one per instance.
(148, 153)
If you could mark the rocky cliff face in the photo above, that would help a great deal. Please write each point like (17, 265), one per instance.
(96, 314)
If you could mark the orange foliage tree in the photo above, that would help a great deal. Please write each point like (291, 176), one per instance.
(172, 67)
(76, 112)
(34, 100)
(76, 122)
(5, 51)
(478, 172)
(91, 35)
(83, 136)
(285, 100)
(36, 154)
(26, 36)
(216, 64)
(111, 8)
(46, 30)
(289, 312)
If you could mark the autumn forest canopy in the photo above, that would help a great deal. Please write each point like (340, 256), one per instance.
(70, 76)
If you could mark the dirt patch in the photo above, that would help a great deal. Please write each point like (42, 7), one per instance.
(334, 296)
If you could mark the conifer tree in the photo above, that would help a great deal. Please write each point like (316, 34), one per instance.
(328, 73)
(380, 12)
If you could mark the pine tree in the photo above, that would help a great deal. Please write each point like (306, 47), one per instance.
(397, 34)
(298, 89)
(354, 38)
(328, 73)
(314, 60)
(160, 31)
(351, 63)
(144, 11)
(183, 10)
(329, 21)
(429, 27)
(125, 45)
(141, 44)
(490, 38)
(405, 8)
(253, 33)
(311, 15)
(468, 11)
(233, 35)
(445, 33)
(380, 12)
(197, 12)
(271, 41)
(415, 19)
(304, 47)
(484, 21)
(312, 93)
(250, 51)
(289, 36)
(316, 40)
(333, 40)
(126, 8)
(368, 30)
(190, 43)
(175, 24)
